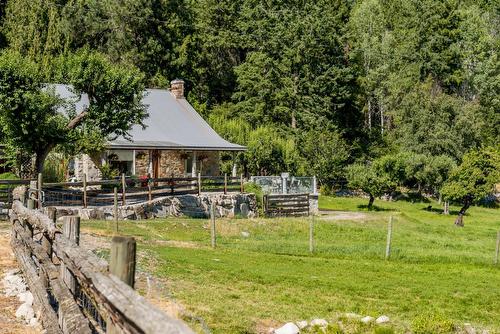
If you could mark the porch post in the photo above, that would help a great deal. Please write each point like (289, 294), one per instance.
(235, 167)
(133, 162)
(193, 165)
(150, 165)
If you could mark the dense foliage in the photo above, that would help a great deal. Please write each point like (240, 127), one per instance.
(309, 86)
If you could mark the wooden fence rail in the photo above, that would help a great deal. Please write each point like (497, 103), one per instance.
(73, 288)
(286, 204)
(100, 193)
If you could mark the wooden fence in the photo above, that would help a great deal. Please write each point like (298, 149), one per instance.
(130, 190)
(76, 291)
(286, 205)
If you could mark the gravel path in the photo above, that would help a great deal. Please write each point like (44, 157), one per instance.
(9, 324)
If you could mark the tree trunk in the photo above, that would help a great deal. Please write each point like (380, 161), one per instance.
(40, 157)
(370, 202)
(460, 218)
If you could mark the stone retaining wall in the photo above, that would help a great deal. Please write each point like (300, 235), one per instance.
(229, 205)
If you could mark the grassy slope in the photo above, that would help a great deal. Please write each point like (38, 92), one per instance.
(435, 267)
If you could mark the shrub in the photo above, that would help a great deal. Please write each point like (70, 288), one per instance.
(254, 188)
(432, 324)
(326, 190)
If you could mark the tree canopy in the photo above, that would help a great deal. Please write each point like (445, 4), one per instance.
(309, 86)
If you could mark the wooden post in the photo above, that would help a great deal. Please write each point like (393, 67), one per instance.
(84, 190)
(242, 189)
(71, 228)
(311, 234)
(212, 225)
(199, 184)
(225, 183)
(389, 238)
(172, 184)
(116, 209)
(52, 213)
(497, 250)
(71, 231)
(124, 186)
(150, 194)
(122, 259)
(31, 204)
(39, 193)
(446, 210)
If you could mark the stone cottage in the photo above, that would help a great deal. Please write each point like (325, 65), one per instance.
(176, 141)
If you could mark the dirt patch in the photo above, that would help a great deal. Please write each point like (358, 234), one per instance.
(9, 324)
(344, 215)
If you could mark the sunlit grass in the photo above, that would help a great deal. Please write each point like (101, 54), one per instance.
(269, 276)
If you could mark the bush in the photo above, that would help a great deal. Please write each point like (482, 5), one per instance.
(432, 324)
(55, 168)
(254, 188)
(326, 190)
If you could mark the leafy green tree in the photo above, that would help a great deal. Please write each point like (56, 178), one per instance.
(271, 154)
(368, 179)
(473, 179)
(325, 155)
(34, 120)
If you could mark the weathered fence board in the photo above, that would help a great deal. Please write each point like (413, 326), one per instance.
(286, 204)
(94, 301)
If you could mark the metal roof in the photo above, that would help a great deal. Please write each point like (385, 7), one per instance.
(172, 124)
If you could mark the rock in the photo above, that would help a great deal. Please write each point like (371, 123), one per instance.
(302, 324)
(33, 322)
(244, 210)
(288, 328)
(319, 322)
(26, 312)
(245, 234)
(367, 319)
(469, 329)
(382, 319)
(26, 297)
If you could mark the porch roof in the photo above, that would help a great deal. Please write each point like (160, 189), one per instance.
(172, 124)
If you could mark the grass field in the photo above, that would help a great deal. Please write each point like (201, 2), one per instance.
(267, 277)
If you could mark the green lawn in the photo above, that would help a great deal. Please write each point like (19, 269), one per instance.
(250, 283)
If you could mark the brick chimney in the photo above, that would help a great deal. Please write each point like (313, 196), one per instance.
(177, 88)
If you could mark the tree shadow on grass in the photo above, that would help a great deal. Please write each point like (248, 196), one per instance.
(439, 210)
(373, 208)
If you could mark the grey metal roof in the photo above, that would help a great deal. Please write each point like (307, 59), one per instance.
(172, 124)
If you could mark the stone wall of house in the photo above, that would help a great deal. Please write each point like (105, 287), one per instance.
(141, 162)
(171, 163)
(226, 205)
(85, 165)
(211, 164)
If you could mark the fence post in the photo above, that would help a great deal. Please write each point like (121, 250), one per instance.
(212, 224)
(71, 231)
(39, 194)
(172, 184)
(84, 190)
(389, 238)
(242, 189)
(199, 184)
(150, 195)
(124, 186)
(116, 208)
(122, 259)
(31, 204)
(225, 183)
(315, 185)
(311, 234)
(497, 249)
(71, 228)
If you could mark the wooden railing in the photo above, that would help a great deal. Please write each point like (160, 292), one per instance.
(286, 205)
(129, 190)
(76, 291)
